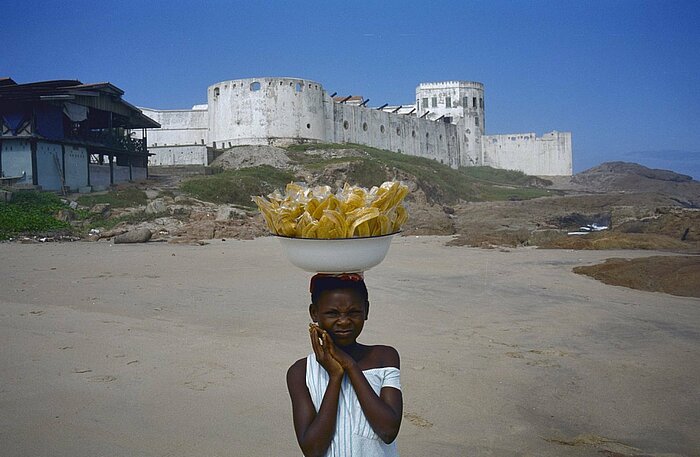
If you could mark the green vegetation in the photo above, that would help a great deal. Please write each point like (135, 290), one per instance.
(125, 198)
(237, 186)
(441, 183)
(30, 212)
(371, 167)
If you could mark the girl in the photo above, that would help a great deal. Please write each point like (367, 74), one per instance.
(346, 397)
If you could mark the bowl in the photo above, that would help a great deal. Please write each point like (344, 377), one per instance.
(340, 255)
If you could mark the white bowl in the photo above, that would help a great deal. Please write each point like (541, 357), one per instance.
(340, 255)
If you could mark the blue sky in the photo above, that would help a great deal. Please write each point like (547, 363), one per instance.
(622, 76)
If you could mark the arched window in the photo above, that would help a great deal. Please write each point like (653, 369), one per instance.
(299, 86)
(364, 126)
(255, 86)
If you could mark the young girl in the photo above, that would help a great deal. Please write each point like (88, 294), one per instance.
(346, 397)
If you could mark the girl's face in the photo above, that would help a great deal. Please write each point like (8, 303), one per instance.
(341, 313)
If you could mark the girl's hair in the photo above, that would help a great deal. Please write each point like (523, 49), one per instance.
(322, 283)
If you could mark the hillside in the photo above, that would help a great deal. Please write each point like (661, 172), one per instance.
(481, 206)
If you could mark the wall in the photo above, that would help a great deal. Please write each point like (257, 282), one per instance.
(76, 167)
(138, 173)
(178, 127)
(396, 132)
(549, 155)
(282, 111)
(466, 109)
(49, 165)
(266, 111)
(17, 160)
(177, 155)
(99, 175)
(121, 173)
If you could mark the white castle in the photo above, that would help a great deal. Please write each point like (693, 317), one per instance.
(446, 123)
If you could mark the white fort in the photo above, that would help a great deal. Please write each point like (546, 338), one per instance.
(446, 123)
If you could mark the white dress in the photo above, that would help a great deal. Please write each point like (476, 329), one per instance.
(353, 434)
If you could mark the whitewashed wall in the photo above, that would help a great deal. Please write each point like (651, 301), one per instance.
(178, 155)
(178, 127)
(49, 166)
(281, 111)
(17, 159)
(549, 155)
(265, 111)
(76, 167)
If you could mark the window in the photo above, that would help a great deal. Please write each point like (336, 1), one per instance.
(474, 102)
(425, 103)
(448, 102)
(299, 86)
(308, 126)
(398, 131)
(255, 86)
(364, 126)
(381, 128)
(434, 102)
(476, 121)
(346, 125)
(481, 103)
(465, 102)
(216, 92)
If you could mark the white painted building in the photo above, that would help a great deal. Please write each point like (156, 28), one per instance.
(446, 123)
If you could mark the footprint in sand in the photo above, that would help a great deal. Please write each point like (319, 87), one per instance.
(417, 420)
(102, 378)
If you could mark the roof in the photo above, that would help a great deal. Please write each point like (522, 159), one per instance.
(103, 95)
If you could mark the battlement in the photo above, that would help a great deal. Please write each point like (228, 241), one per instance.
(445, 84)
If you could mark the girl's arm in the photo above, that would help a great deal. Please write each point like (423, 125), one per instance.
(314, 431)
(383, 411)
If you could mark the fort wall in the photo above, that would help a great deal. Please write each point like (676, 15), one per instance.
(549, 155)
(266, 111)
(446, 124)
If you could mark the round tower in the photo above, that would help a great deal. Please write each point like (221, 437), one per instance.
(457, 102)
(265, 111)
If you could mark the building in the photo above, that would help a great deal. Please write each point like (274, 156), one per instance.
(66, 135)
(446, 123)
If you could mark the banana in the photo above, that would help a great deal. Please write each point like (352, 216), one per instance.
(316, 212)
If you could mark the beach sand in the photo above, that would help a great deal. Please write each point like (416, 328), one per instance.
(179, 350)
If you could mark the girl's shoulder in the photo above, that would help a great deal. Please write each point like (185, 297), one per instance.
(380, 356)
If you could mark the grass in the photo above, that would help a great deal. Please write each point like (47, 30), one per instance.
(30, 212)
(125, 198)
(442, 183)
(237, 186)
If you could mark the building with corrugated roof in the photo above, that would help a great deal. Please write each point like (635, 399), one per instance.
(66, 135)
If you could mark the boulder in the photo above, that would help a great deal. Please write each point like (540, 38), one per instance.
(103, 209)
(140, 235)
(156, 206)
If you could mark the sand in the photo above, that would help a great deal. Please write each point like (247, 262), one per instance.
(179, 350)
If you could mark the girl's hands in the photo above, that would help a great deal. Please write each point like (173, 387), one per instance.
(338, 354)
(324, 352)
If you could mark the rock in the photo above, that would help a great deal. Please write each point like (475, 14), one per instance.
(66, 215)
(156, 206)
(227, 212)
(133, 236)
(102, 209)
(73, 205)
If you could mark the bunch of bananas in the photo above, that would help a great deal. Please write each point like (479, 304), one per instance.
(317, 212)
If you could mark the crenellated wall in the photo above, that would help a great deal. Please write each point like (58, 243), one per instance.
(446, 124)
(267, 111)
